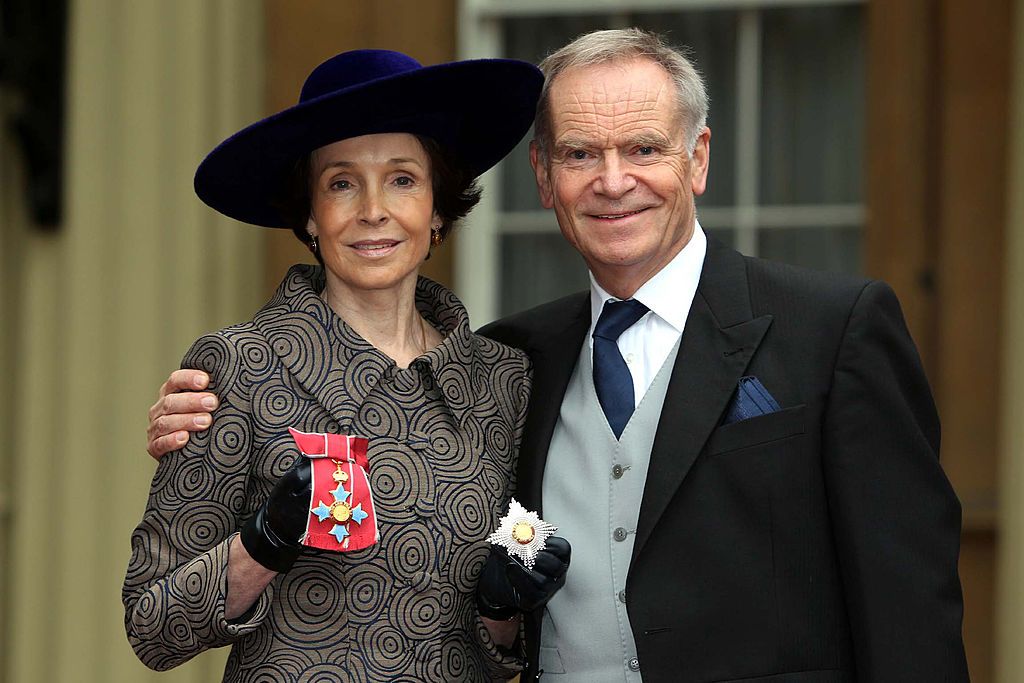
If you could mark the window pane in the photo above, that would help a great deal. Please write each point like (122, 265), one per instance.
(711, 39)
(533, 38)
(519, 190)
(538, 268)
(835, 249)
(812, 124)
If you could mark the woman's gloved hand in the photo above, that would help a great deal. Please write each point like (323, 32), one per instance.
(507, 587)
(273, 535)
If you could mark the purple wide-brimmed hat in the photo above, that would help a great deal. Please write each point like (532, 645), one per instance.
(477, 109)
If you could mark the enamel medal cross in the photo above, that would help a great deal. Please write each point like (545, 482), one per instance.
(341, 512)
(522, 533)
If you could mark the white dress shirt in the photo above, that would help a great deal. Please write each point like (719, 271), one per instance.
(668, 295)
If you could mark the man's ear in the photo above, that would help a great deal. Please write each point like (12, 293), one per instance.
(699, 161)
(540, 172)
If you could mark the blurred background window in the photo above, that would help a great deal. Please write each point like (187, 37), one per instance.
(786, 85)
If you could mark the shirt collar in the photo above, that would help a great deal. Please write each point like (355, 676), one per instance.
(676, 282)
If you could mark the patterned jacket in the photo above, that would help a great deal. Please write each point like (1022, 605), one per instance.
(444, 434)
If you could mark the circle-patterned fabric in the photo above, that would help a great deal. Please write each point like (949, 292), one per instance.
(443, 435)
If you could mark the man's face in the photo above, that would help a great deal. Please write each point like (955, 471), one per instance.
(619, 175)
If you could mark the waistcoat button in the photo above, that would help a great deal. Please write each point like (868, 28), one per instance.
(622, 597)
(634, 664)
(619, 534)
(617, 471)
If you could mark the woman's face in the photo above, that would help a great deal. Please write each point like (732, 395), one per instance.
(372, 209)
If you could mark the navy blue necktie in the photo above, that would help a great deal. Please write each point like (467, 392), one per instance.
(612, 380)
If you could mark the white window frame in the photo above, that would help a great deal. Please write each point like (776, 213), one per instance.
(477, 259)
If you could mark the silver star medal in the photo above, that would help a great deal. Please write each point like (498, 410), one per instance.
(522, 533)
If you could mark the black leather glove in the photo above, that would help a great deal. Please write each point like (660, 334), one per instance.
(272, 536)
(507, 587)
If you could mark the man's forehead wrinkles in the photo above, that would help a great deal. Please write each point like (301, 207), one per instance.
(612, 112)
(603, 122)
(633, 97)
(636, 109)
(580, 105)
(644, 96)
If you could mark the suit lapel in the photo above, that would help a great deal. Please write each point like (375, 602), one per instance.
(554, 358)
(720, 337)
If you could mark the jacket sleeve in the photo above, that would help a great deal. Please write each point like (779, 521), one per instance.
(896, 519)
(175, 588)
(503, 663)
(522, 395)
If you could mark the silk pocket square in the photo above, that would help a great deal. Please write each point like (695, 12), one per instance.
(751, 400)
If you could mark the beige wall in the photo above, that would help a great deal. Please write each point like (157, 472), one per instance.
(1010, 624)
(95, 316)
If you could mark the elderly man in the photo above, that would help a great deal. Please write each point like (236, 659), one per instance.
(743, 454)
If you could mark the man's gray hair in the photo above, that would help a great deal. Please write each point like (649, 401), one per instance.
(601, 47)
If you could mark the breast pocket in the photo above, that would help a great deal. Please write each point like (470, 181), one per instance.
(756, 431)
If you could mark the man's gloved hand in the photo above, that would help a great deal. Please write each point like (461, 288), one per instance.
(272, 536)
(507, 587)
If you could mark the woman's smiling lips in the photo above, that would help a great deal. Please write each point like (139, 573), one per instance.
(375, 248)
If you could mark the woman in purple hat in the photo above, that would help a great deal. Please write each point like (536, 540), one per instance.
(332, 523)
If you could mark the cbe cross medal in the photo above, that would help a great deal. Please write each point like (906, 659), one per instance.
(522, 533)
(341, 511)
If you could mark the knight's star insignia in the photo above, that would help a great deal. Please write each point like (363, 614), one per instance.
(522, 533)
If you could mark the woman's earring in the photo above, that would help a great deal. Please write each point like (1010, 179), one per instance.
(436, 238)
(313, 247)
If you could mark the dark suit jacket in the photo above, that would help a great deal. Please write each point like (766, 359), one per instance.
(816, 544)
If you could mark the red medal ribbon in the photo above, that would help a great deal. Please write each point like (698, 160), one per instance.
(341, 513)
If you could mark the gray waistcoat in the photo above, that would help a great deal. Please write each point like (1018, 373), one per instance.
(592, 490)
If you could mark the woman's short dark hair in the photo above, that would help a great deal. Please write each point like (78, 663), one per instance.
(454, 187)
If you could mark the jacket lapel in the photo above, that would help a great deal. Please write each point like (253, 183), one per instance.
(332, 363)
(554, 358)
(316, 346)
(720, 337)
